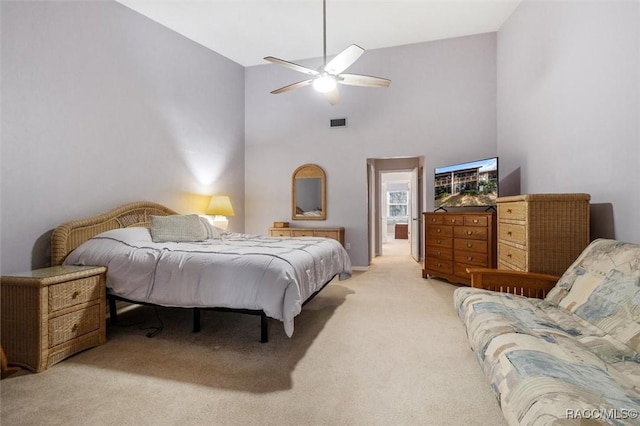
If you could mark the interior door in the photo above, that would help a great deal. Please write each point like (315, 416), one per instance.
(414, 223)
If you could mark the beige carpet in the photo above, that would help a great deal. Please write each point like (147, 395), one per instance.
(383, 348)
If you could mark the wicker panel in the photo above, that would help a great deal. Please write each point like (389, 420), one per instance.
(68, 236)
(74, 292)
(74, 324)
(24, 317)
(71, 347)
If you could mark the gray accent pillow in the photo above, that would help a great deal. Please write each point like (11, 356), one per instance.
(177, 228)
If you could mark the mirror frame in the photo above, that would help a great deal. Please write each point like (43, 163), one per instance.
(308, 171)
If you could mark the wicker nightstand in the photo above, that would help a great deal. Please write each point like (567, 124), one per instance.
(52, 313)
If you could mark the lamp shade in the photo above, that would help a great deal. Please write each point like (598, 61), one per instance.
(220, 205)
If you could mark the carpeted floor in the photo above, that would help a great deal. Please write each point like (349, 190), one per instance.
(384, 347)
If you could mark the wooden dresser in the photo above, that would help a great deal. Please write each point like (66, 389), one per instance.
(335, 233)
(542, 233)
(455, 241)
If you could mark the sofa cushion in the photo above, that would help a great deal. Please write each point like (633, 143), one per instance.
(542, 359)
(603, 287)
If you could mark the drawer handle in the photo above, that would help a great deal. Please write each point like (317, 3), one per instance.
(439, 253)
(509, 211)
(74, 328)
(469, 258)
(439, 265)
(453, 221)
(509, 255)
(433, 219)
(469, 245)
(469, 232)
(438, 230)
(439, 241)
(475, 220)
(75, 294)
(509, 233)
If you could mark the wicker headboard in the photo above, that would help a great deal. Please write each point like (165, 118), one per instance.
(68, 236)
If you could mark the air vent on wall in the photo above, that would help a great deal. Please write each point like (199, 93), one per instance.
(338, 122)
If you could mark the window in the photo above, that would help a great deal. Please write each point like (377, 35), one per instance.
(397, 203)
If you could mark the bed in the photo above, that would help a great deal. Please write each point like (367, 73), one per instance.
(253, 274)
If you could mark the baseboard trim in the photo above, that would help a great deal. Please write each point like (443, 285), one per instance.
(360, 268)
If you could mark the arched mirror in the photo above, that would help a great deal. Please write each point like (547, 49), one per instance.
(308, 193)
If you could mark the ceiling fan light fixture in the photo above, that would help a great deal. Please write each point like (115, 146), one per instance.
(324, 83)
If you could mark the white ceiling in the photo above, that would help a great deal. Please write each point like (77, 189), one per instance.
(246, 31)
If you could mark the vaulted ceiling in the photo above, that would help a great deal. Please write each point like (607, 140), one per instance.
(246, 31)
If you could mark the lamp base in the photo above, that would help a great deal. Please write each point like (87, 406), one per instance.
(219, 221)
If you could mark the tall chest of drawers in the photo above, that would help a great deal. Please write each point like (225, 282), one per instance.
(456, 241)
(542, 233)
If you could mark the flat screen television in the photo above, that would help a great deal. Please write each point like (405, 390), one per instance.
(471, 184)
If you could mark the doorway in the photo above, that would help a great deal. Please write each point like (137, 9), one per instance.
(395, 199)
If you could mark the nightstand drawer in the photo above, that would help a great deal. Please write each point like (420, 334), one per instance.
(74, 324)
(74, 292)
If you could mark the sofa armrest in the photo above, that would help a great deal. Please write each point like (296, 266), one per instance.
(529, 284)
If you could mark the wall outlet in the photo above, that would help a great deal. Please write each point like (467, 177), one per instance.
(347, 246)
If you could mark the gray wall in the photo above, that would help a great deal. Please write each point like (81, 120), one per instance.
(441, 105)
(569, 106)
(101, 106)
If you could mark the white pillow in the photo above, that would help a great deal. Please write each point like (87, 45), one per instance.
(177, 228)
(213, 232)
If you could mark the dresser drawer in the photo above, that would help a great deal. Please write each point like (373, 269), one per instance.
(438, 241)
(476, 221)
(439, 230)
(471, 232)
(439, 265)
(478, 246)
(444, 219)
(302, 233)
(516, 210)
(74, 292)
(326, 234)
(513, 233)
(280, 233)
(444, 253)
(74, 324)
(513, 256)
(471, 258)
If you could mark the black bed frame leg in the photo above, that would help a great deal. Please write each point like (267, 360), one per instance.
(113, 311)
(196, 320)
(264, 329)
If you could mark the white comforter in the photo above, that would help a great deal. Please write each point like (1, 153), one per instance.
(238, 271)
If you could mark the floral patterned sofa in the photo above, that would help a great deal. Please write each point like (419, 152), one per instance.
(567, 359)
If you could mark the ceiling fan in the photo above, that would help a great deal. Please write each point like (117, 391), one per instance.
(329, 75)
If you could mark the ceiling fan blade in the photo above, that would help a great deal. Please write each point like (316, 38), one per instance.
(291, 65)
(292, 86)
(333, 96)
(344, 59)
(363, 80)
